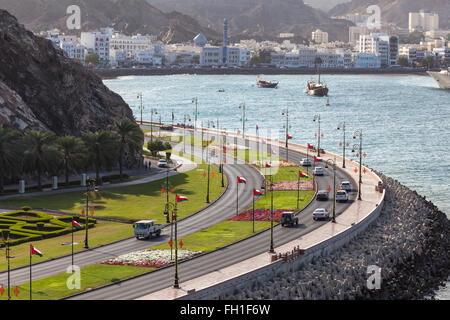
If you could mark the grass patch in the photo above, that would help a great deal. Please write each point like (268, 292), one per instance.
(103, 233)
(144, 201)
(55, 287)
(284, 200)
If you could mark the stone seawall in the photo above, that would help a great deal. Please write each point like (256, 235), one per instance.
(409, 242)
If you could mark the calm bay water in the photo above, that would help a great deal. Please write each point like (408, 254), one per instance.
(405, 119)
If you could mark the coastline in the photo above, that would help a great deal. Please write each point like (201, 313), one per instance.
(108, 74)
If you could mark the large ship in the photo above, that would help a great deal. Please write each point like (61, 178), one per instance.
(262, 83)
(442, 78)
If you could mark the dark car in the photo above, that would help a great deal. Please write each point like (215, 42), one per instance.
(322, 195)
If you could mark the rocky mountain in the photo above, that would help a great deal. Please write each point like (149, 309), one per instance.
(396, 11)
(41, 88)
(127, 16)
(324, 5)
(259, 19)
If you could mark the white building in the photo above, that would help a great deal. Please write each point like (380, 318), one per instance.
(117, 57)
(366, 60)
(233, 56)
(211, 56)
(423, 21)
(245, 57)
(98, 42)
(408, 52)
(319, 36)
(74, 50)
(386, 47)
(355, 32)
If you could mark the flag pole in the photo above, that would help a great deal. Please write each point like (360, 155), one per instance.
(253, 218)
(298, 191)
(73, 218)
(237, 197)
(31, 246)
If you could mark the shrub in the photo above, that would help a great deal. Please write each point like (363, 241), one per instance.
(16, 215)
(26, 208)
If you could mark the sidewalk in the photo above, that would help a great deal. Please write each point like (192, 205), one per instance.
(357, 211)
(183, 165)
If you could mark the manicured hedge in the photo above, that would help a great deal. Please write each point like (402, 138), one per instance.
(40, 216)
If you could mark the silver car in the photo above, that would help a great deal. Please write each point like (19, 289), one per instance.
(321, 213)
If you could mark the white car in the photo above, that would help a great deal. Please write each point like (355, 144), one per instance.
(305, 162)
(341, 196)
(321, 213)
(345, 185)
(318, 171)
(162, 163)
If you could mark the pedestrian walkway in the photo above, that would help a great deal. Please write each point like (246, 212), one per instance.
(357, 211)
(182, 165)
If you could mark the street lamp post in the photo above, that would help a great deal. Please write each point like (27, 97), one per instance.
(139, 96)
(333, 163)
(242, 106)
(271, 250)
(5, 234)
(90, 186)
(341, 126)
(317, 118)
(285, 112)
(359, 134)
(195, 100)
(152, 111)
(174, 217)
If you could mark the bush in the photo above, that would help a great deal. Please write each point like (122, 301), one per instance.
(26, 208)
(114, 177)
(15, 215)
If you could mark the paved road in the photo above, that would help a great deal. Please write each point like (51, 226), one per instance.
(222, 209)
(163, 278)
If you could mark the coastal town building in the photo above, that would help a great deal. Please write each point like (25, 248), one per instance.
(382, 45)
(423, 21)
(98, 42)
(319, 36)
(366, 60)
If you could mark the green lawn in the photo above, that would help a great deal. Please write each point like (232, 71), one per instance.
(144, 201)
(55, 287)
(104, 232)
(287, 174)
(284, 200)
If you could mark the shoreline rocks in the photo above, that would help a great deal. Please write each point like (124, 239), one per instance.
(409, 241)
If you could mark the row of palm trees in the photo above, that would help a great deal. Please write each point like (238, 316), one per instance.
(38, 152)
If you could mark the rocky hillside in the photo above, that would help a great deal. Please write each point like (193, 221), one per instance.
(41, 88)
(259, 19)
(127, 16)
(396, 11)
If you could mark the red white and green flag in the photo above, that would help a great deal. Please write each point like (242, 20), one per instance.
(302, 175)
(310, 146)
(268, 165)
(317, 159)
(76, 225)
(35, 251)
(289, 137)
(181, 198)
(241, 180)
(256, 192)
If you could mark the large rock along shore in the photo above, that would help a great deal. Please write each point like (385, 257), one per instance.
(409, 241)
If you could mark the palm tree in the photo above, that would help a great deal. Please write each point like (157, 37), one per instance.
(41, 153)
(131, 138)
(71, 149)
(10, 153)
(101, 150)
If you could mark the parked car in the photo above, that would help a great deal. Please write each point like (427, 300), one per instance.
(305, 162)
(321, 213)
(318, 171)
(162, 163)
(322, 195)
(345, 185)
(341, 196)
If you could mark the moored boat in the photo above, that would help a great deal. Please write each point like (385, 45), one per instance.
(317, 89)
(262, 83)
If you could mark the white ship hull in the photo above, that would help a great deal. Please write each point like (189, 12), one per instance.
(442, 78)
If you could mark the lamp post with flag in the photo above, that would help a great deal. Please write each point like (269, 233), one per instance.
(256, 193)
(333, 163)
(178, 199)
(240, 180)
(359, 134)
(75, 225)
(285, 112)
(271, 250)
(317, 119)
(341, 126)
(5, 235)
(300, 175)
(196, 113)
(90, 186)
(33, 251)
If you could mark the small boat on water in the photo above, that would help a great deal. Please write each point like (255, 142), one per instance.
(316, 88)
(328, 102)
(262, 83)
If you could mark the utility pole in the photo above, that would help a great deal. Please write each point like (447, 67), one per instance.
(195, 100)
(317, 118)
(139, 96)
(242, 106)
(286, 113)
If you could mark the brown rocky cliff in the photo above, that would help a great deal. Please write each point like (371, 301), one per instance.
(41, 88)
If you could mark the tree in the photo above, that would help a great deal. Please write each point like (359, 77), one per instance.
(10, 153)
(415, 37)
(158, 145)
(130, 137)
(403, 61)
(92, 59)
(41, 153)
(72, 152)
(428, 62)
(255, 60)
(101, 150)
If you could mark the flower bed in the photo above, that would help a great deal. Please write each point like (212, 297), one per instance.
(151, 258)
(292, 185)
(260, 215)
